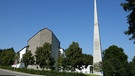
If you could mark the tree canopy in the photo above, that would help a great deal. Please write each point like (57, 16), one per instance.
(87, 59)
(74, 56)
(131, 67)
(7, 57)
(44, 57)
(129, 6)
(115, 61)
(28, 58)
(61, 62)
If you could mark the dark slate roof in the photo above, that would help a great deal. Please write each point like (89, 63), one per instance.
(23, 48)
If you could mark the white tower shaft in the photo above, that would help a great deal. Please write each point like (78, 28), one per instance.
(97, 57)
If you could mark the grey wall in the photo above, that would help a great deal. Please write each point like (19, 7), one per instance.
(43, 36)
(55, 48)
(33, 43)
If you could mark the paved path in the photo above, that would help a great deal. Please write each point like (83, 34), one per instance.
(4, 72)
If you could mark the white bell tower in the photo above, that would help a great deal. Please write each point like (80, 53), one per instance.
(97, 54)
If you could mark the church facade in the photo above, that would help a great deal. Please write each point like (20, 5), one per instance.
(44, 36)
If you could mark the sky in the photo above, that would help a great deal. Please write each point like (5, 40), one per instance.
(70, 20)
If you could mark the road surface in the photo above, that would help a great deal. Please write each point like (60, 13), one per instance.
(4, 72)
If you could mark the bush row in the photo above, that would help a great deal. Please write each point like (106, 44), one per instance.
(42, 72)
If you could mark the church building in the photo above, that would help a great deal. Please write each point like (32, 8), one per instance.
(44, 36)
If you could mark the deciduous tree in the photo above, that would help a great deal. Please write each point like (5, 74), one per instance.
(7, 57)
(131, 68)
(61, 62)
(74, 56)
(115, 61)
(28, 58)
(129, 6)
(44, 57)
(87, 59)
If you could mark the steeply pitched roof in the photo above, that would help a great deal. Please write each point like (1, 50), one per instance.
(42, 30)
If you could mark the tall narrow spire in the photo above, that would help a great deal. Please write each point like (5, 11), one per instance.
(97, 57)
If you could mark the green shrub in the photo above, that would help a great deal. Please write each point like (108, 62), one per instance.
(42, 72)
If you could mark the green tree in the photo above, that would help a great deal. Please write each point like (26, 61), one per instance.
(115, 61)
(7, 57)
(44, 57)
(129, 6)
(131, 67)
(16, 59)
(61, 62)
(28, 58)
(74, 56)
(87, 59)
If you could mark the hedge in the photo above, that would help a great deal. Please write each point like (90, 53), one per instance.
(42, 72)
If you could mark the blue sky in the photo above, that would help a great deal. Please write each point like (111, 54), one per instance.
(70, 20)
